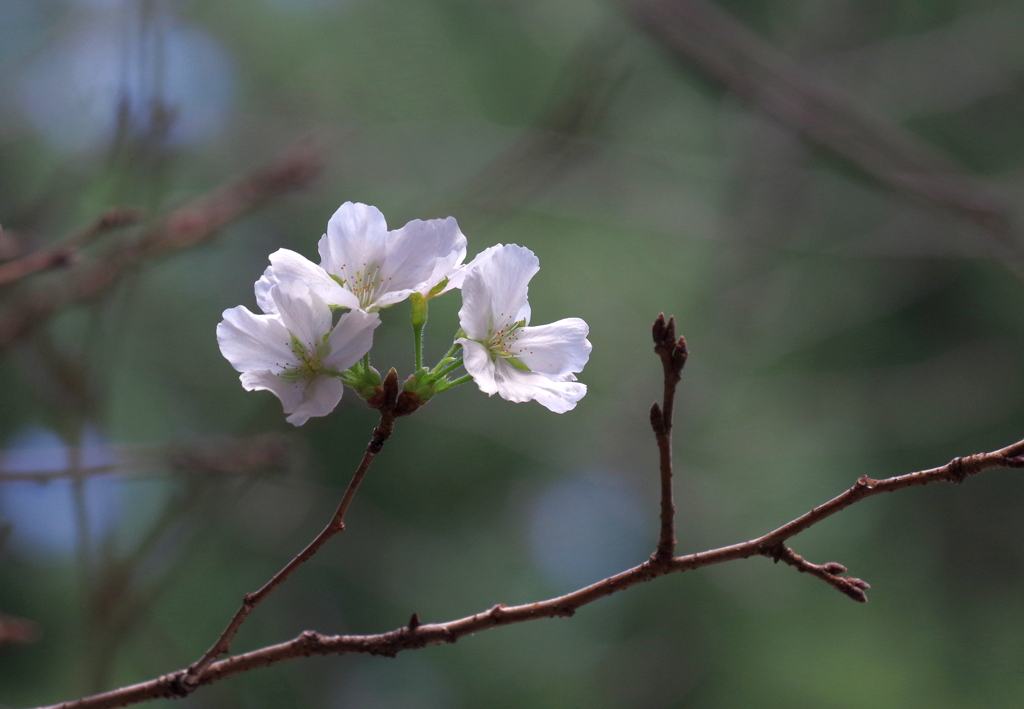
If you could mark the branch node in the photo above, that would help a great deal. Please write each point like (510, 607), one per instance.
(311, 641)
(864, 482)
(775, 551)
(657, 420)
(414, 621)
(662, 557)
(1013, 462)
(959, 469)
(179, 685)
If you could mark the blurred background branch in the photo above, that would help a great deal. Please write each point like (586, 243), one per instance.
(218, 456)
(566, 133)
(702, 34)
(62, 253)
(183, 228)
(17, 630)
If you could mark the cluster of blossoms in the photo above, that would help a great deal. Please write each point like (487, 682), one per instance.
(300, 350)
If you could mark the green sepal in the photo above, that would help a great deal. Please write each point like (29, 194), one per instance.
(424, 384)
(365, 381)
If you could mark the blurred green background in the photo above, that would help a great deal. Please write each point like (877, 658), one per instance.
(839, 325)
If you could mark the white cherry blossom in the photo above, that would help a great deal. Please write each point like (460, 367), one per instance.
(502, 353)
(292, 351)
(366, 267)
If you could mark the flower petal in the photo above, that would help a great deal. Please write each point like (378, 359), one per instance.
(250, 341)
(494, 292)
(497, 376)
(289, 390)
(320, 397)
(456, 277)
(475, 314)
(300, 398)
(303, 312)
(554, 393)
(477, 361)
(420, 255)
(356, 237)
(351, 338)
(287, 266)
(557, 349)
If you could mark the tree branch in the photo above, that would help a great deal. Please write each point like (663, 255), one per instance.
(417, 635)
(192, 677)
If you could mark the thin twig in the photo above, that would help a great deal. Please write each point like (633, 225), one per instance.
(416, 635)
(831, 573)
(47, 476)
(66, 250)
(125, 596)
(185, 227)
(210, 669)
(673, 354)
(195, 673)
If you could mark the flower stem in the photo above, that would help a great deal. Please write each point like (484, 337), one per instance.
(441, 365)
(417, 344)
(448, 368)
(461, 380)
